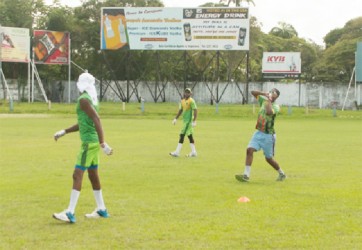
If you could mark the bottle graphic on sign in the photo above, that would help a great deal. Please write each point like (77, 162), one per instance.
(45, 46)
(242, 36)
(108, 24)
(187, 32)
(122, 32)
(293, 66)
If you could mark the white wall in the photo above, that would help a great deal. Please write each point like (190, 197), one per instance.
(311, 94)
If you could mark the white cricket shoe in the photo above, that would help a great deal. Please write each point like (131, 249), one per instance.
(65, 216)
(98, 214)
(192, 154)
(174, 154)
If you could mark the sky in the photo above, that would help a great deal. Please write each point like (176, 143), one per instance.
(312, 19)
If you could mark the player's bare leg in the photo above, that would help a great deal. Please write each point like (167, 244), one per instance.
(249, 156)
(276, 166)
(68, 214)
(248, 161)
(94, 179)
(77, 179)
(100, 211)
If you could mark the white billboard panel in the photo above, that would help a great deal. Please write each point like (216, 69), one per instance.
(15, 44)
(156, 28)
(281, 63)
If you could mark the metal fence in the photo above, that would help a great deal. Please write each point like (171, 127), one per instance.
(318, 95)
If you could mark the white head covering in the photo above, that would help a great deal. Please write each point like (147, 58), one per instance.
(86, 83)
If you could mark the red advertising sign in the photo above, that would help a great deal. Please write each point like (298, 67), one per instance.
(51, 47)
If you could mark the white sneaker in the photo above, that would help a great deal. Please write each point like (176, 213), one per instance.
(65, 216)
(174, 154)
(192, 154)
(98, 214)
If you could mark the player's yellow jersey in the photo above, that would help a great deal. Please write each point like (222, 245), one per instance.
(187, 106)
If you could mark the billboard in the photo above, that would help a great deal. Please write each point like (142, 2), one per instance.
(15, 44)
(359, 63)
(156, 28)
(281, 63)
(51, 47)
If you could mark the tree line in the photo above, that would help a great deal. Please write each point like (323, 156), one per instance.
(332, 63)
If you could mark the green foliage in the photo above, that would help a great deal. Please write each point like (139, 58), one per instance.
(337, 61)
(83, 23)
(284, 30)
(236, 2)
(59, 19)
(332, 37)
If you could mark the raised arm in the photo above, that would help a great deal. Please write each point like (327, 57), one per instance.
(268, 105)
(256, 93)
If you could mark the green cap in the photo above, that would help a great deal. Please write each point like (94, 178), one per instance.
(188, 90)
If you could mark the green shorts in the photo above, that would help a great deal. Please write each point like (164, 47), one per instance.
(187, 129)
(88, 156)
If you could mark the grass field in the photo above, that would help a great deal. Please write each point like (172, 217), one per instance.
(159, 202)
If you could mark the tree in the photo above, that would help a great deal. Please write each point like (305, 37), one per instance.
(236, 2)
(83, 23)
(338, 59)
(284, 30)
(332, 37)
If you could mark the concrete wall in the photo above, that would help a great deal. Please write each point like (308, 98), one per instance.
(292, 94)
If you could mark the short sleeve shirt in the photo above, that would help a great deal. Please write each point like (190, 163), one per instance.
(265, 123)
(187, 106)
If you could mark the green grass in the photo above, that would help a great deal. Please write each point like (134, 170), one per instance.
(159, 202)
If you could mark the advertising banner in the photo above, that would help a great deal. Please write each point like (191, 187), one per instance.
(51, 47)
(15, 44)
(281, 63)
(175, 28)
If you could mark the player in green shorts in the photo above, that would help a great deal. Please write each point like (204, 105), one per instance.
(92, 138)
(188, 109)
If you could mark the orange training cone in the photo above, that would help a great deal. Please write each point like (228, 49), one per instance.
(243, 199)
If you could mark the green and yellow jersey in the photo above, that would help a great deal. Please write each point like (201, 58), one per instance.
(187, 106)
(265, 123)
